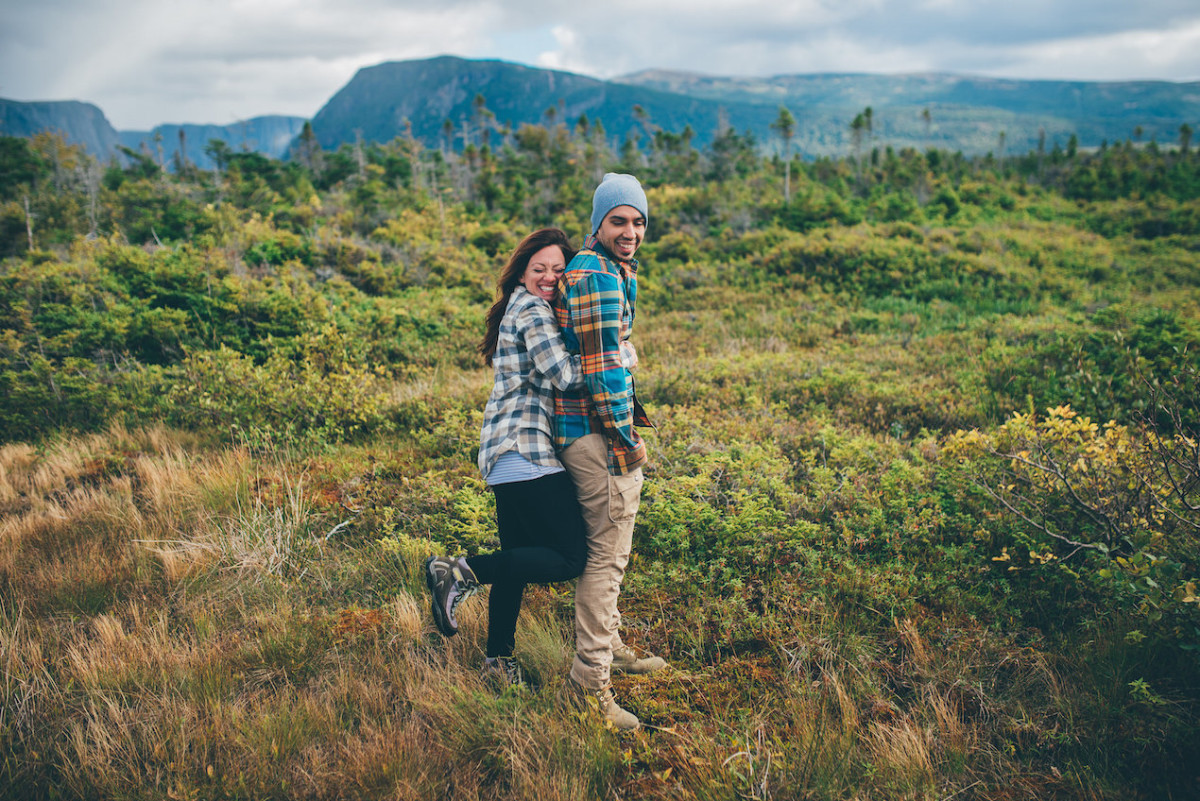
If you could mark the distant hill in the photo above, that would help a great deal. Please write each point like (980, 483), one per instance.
(972, 114)
(85, 124)
(965, 112)
(271, 136)
(79, 123)
(379, 101)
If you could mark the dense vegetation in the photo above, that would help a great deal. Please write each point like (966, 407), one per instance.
(921, 520)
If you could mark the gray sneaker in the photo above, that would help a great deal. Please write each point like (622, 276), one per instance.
(626, 661)
(607, 706)
(503, 672)
(450, 581)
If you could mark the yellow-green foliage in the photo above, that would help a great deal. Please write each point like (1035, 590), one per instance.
(223, 597)
(1126, 499)
(308, 392)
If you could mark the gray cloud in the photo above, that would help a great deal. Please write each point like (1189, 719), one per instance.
(1022, 38)
(145, 62)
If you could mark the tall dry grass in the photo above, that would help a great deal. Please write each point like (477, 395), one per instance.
(175, 675)
(174, 624)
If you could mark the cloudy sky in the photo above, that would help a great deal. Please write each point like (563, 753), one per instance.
(146, 62)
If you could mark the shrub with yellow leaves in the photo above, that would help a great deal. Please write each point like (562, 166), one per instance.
(1099, 502)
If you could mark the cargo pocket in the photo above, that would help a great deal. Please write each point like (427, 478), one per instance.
(624, 496)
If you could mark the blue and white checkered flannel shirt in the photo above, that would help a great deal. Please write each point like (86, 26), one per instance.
(530, 362)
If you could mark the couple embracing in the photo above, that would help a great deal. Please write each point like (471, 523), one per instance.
(558, 446)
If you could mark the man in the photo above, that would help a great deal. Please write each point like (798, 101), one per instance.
(594, 431)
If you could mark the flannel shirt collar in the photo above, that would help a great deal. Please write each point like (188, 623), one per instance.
(591, 242)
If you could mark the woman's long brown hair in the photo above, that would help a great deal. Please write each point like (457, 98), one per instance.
(510, 276)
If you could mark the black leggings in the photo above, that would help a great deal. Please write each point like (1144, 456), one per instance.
(542, 540)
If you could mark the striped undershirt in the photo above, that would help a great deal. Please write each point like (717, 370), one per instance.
(511, 467)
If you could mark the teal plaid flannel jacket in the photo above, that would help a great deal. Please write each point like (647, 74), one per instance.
(595, 309)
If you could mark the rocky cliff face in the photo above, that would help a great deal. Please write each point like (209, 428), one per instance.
(79, 123)
(85, 124)
(384, 101)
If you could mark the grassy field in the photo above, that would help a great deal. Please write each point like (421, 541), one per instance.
(920, 520)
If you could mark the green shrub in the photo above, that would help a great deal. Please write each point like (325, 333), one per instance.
(313, 391)
(1107, 511)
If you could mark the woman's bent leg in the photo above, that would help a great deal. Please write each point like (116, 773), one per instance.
(542, 539)
(542, 535)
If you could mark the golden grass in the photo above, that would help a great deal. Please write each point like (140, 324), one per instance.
(442, 382)
(260, 538)
(142, 656)
(948, 721)
(182, 559)
(847, 710)
(900, 751)
(407, 617)
(544, 643)
(27, 680)
(170, 484)
(127, 646)
(71, 545)
(16, 459)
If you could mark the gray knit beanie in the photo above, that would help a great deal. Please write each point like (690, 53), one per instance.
(617, 189)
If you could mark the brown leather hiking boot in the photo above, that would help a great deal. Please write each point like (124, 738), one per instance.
(625, 660)
(604, 703)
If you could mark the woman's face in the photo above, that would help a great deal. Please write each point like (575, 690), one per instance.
(541, 275)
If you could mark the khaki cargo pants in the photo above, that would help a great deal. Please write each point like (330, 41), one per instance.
(609, 504)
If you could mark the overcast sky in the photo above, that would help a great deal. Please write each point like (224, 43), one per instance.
(146, 62)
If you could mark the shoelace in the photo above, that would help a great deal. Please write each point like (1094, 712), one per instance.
(603, 698)
(508, 669)
(466, 592)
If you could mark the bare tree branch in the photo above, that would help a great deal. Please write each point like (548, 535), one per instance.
(997, 496)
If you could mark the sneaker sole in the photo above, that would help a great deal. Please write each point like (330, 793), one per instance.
(439, 617)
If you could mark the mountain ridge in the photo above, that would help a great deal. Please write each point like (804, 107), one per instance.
(1094, 110)
(80, 123)
(434, 100)
(86, 124)
(918, 87)
(376, 101)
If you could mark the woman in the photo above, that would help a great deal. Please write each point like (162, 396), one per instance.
(542, 535)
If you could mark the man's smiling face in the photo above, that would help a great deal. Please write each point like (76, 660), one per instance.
(622, 231)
